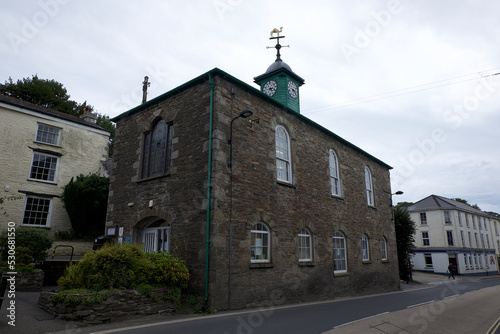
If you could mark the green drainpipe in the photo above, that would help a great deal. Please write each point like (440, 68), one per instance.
(207, 251)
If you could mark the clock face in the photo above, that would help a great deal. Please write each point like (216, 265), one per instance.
(293, 90)
(270, 87)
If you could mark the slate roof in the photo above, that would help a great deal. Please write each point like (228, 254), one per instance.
(434, 202)
(46, 111)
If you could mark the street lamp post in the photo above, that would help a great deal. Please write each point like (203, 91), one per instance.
(244, 114)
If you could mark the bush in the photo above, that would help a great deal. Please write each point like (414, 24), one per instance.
(36, 240)
(86, 201)
(125, 267)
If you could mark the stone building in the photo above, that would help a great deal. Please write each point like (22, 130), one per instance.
(42, 149)
(265, 209)
(453, 232)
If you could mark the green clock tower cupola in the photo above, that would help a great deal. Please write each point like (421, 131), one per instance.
(279, 81)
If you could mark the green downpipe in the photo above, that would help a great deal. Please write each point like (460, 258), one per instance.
(209, 185)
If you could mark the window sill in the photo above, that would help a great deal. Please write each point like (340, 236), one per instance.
(386, 261)
(341, 274)
(367, 261)
(261, 265)
(43, 181)
(35, 226)
(286, 184)
(337, 197)
(372, 207)
(152, 178)
(307, 264)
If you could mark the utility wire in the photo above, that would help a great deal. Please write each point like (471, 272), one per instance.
(398, 92)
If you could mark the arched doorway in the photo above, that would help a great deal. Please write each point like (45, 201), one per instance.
(154, 233)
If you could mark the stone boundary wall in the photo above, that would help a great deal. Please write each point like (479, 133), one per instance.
(119, 306)
(30, 281)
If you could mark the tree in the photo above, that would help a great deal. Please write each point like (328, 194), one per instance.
(405, 237)
(475, 206)
(52, 94)
(86, 201)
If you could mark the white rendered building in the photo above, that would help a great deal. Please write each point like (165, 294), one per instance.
(42, 149)
(453, 232)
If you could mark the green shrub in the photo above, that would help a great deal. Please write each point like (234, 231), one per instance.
(168, 270)
(126, 267)
(36, 240)
(86, 201)
(110, 267)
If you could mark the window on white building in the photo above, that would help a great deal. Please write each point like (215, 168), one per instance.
(476, 240)
(470, 240)
(47, 134)
(496, 227)
(44, 167)
(467, 220)
(339, 253)
(283, 156)
(449, 236)
(462, 238)
(425, 239)
(447, 217)
(428, 261)
(334, 174)
(474, 222)
(423, 218)
(459, 219)
(37, 211)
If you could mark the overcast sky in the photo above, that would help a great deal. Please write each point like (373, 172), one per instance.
(410, 82)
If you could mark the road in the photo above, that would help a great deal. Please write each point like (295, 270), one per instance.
(461, 306)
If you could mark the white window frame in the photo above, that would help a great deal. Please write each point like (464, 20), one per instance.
(383, 249)
(369, 186)
(428, 264)
(45, 131)
(339, 253)
(335, 184)
(305, 245)
(447, 217)
(365, 248)
(449, 238)
(423, 218)
(260, 251)
(425, 237)
(153, 239)
(283, 155)
(47, 213)
(54, 169)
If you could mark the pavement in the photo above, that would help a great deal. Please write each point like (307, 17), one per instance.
(30, 318)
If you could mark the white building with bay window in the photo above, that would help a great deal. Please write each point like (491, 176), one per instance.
(42, 150)
(451, 232)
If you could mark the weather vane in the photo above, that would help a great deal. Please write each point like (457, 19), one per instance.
(278, 45)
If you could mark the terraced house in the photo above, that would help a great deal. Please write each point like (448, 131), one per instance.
(265, 206)
(453, 232)
(42, 149)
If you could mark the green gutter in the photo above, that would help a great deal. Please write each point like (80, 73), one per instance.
(209, 185)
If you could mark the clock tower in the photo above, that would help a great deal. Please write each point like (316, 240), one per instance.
(279, 81)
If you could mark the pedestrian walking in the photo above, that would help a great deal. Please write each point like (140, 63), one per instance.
(450, 271)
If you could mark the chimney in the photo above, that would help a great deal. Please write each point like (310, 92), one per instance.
(88, 116)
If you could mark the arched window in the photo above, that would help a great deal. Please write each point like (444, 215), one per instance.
(305, 245)
(156, 150)
(369, 186)
(283, 156)
(259, 243)
(383, 248)
(339, 253)
(334, 174)
(365, 248)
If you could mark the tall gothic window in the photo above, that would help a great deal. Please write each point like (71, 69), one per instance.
(369, 187)
(334, 174)
(339, 253)
(157, 150)
(283, 156)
